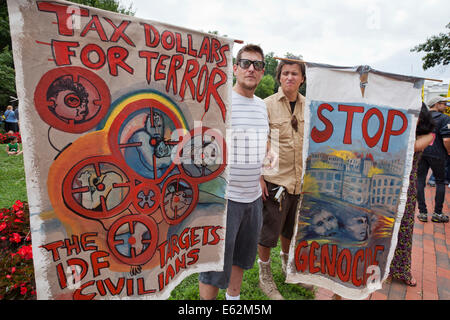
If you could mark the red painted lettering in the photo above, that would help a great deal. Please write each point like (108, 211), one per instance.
(349, 123)
(64, 15)
(389, 131)
(322, 136)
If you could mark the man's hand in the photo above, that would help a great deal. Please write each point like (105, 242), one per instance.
(265, 191)
(270, 163)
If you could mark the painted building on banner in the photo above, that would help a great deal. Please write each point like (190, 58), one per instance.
(360, 180)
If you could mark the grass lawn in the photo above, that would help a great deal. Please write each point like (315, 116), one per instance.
(12, 188)
(12, 178)
(188, 288)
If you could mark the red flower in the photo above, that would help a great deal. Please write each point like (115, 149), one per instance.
(26, 252)
(15, 237)
(23, 290)
(19, 203)
(19, 213)
(3, 226)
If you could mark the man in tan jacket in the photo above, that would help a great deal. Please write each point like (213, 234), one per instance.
(281, 190)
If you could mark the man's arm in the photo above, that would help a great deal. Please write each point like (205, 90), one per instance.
(447, 144)
(423, 141)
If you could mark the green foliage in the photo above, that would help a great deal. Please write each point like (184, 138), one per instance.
(188, 288)
(271, 65)
(437, 48)
(265, 87)
(7, 77)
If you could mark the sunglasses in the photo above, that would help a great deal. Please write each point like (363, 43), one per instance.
(245, 64)
(294, 123)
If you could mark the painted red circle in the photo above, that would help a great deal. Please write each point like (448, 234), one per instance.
(175, 189)
(97, 167)
(96, 106)
(121, 118)
(188, 144)
(130, 221)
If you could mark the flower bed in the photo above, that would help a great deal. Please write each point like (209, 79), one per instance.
(16, 257)
(4, 137)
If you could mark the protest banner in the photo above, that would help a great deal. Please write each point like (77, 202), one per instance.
(123, 123)
(360, 125)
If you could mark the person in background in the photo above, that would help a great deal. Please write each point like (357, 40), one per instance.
(244, 202)
(401, 263)
(13, 148)
(11, 121)
(435, 156)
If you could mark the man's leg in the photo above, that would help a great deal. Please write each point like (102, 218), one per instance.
(234, 287)
(207, 291)
(264, 253)
(438, 168)
(273, 219)
(209, 283)
(422, 172)
(285, 244)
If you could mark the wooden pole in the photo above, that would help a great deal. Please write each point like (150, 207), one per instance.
(297, 60)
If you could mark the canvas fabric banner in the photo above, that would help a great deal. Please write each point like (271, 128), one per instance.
(357, 159)
(123, 123)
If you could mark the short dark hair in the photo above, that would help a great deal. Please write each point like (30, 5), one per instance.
(67, 83)
(285, 62)
(250, 48)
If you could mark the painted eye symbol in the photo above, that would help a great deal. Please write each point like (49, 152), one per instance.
(72, 100)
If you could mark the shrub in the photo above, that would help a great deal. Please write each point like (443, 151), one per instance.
(4, 137)
(16, 257)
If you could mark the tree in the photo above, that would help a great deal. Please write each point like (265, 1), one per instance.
(7, 75)
(7, 78)
(271, 64)
(265, 87)
(437, 48)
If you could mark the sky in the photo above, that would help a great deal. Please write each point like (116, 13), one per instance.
(378, 33)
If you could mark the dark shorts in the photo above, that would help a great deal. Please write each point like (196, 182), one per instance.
(241, 240)
(276, 221)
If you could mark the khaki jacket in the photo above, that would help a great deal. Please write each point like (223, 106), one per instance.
(290, 163)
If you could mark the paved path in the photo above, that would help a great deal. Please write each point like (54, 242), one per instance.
(430, 262)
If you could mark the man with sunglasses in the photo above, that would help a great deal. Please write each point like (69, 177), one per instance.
(247, 150)
(281, 191)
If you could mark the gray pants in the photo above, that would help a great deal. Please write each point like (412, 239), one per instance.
(244, 222)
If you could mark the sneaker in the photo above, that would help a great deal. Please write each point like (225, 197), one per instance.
(439, 217)
(422, 216)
